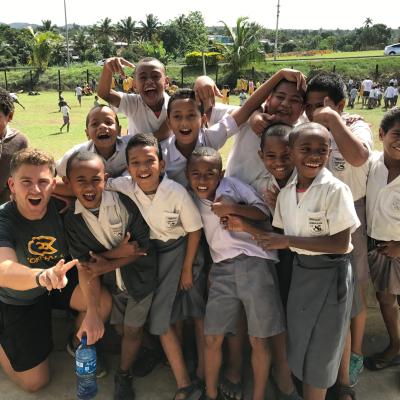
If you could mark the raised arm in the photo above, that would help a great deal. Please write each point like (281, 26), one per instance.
(112, 66)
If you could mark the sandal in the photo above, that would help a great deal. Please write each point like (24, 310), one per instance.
(345, 391)
(230, 390)
(378, 362)
(191, 392)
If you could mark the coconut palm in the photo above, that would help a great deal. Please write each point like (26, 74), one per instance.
(126, 29)
(47, 26)
(149, 28)
(367, 22)
(245, 45)
(103, 29)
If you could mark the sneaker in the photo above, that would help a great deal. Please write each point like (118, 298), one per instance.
(123, 389)
(101, 366)
(356, 367)
(146, 361)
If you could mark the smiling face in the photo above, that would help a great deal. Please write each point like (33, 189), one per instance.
(103, 129)
(276, 158)
(87, 180)
(310, 153)
(315, 100)
(286, 102)
(145, 167)
(150, 83)
(185, 121)
(31, 187)
(391, 142)
(204, 174)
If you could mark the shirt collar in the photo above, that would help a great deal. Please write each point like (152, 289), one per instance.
(324, 176)
(175, 154)
(107, 200)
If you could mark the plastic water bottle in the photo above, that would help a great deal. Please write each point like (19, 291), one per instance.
(85, 367)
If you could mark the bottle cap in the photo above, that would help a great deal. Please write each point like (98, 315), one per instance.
(84, 340)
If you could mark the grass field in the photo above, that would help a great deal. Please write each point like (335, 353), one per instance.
(41, 121)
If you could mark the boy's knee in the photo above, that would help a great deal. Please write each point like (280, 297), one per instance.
(386, 299)
(214, 341)
(133, 333)
(34, 385)
(258, 343)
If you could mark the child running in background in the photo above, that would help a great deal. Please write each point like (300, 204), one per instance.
(108, 235)
(243, 275)
(65, 113)
(383, 222)
(175, 227)
(317, 214)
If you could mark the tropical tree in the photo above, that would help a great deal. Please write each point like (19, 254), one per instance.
(149, 29)
(103, 28)
(367, 22)
(126, 29)
(47, 26)
(42, 47)
(7, 56)
(82, 43)
(245, 45)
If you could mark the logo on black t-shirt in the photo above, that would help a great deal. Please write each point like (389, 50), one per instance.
(42, 245)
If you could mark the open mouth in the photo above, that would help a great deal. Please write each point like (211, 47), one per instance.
(89, 196)
(185, 132)
(313, 165)
(144, 176)
(103, 136)
(35, 202)
(202, 188)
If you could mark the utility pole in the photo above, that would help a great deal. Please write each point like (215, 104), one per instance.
(66, 29)
(277, 29)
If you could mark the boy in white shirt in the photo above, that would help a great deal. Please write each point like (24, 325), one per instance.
(383, 221)
(317, 214)
(242, 273)
(65, 113)
(175, 227)
(351, 140)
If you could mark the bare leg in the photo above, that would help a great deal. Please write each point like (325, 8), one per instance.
(358, 324)
(130, 345)
(31, 380)
(235, 352)
(260, 362)
(344, 368)
(213, 360)
(200, 344)
(313, 393)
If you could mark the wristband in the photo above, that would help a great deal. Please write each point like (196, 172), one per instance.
(37, 278)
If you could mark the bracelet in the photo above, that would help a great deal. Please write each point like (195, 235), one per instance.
(37, 278)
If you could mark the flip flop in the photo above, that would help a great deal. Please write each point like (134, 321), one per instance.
(345, 391)
(230, 390)
(378, 362)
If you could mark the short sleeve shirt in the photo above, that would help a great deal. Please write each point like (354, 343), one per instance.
(170, 214)
(383, 201)
(37, 244)
(325, 209)
(224, 244)
(115, 165)
(354, 177)
(141, 118)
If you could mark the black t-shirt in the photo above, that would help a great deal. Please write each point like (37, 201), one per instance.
(37, 244)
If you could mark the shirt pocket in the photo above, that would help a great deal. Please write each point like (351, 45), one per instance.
(337, 162)
(392, 205)
(170, 220)
(117, 230)
(317, 223)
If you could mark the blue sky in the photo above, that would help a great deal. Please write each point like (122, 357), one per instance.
(307, 14)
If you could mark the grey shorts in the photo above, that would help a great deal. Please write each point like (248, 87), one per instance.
(249, 283)
(127, 311)
(66, 119)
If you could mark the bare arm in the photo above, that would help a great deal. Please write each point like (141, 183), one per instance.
(191, 250)
(112, 66)
(223, 208)
(163, 132)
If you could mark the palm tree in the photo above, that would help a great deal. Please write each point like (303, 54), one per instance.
(367, 22)
(245, 45)
(104, 28)
(126, 29)
(47, 26)
(149, 28)
(82, 42)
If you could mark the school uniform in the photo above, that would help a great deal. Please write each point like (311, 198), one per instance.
(215, 137)
(141, 118)
(170, 214)
(115, 165)
(242, 273)
(132, 286)
(383, 222)
(321, 292)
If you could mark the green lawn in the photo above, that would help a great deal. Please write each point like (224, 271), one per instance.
(339, 54)
(41, 121)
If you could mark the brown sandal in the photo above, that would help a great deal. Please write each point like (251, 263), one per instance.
(345, 391)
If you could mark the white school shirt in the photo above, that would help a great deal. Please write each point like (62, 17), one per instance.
(141, 118)
(224, 244)
(354, 177)
(115, 165)
(109, 228)
(383, 201)
(325, 209)
(367, 85)
(170, 214)
(390, 92)
(214, 136)
(78, 91)
(64, 111)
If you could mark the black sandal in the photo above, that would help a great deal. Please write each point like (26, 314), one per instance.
(190, 392)
(345, 391)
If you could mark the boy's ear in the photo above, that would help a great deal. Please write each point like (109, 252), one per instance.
(87, 134)
(65, 180)
(10, 116)
(204, 120)
(162, 165)
(10, 183)
(222, 174)
(381, 134)
(106, 176)
(340, 106)
(166, 81)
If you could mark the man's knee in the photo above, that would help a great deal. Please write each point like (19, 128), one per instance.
(32, 386)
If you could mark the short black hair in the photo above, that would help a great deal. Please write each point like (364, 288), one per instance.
(143, 139)
(204, 151)
(81, 155)
(100, 106)
(328, 82)
(275, 88)
(183, 94)
(6, 102)
(276, 130)
(294, 135)
(145, 60)
(390, 119)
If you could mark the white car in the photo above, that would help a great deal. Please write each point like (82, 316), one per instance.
(392, 49)
(100, 63)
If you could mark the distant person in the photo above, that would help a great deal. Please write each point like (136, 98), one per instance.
(11, 141)
(242, 97)
(366, 85)
(352, 96)
(251, 87)
(78, 94)
(389, 95)
(93, 85)
(65, 114)
(225, 94)
(96, 101)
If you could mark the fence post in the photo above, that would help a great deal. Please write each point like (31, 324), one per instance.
(30, 75)
(334, 68)
(216, 75)
(5, 78)
(252, 73)
(87, 76)
(59, 81)
(182, 76)
(376, 72)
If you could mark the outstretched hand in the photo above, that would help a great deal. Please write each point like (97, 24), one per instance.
(55, 277)
(116, 65)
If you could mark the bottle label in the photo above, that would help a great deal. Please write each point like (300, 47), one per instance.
(85, 368)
